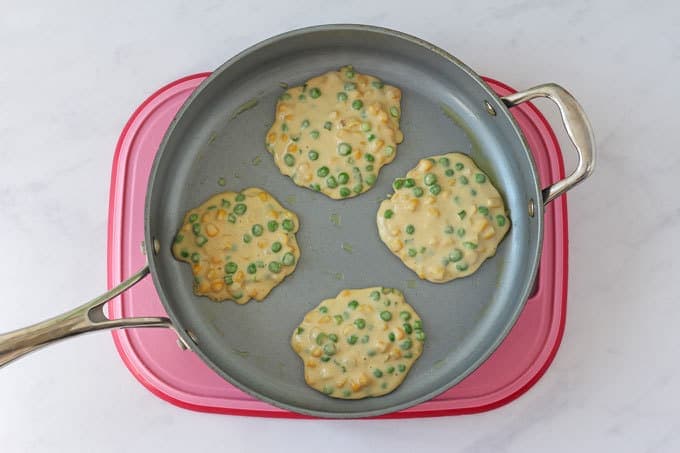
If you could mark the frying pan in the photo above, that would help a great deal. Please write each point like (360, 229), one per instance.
(219, 132)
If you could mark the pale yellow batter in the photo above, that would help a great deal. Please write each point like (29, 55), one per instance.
(334, 133)
(444, 219)
(240, 245)
(360, 344)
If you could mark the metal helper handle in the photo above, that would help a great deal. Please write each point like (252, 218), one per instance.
(578, 128)
(89, 317)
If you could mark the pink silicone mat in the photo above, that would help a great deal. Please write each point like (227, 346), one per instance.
(177, 376)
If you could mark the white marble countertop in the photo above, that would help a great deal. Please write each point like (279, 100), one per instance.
(72, 72)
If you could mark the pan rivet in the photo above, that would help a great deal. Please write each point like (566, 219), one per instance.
(142, 247)
(532, 207)
(191, 335)
(156, 246)
(489, 108)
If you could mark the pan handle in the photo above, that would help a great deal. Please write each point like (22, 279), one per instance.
(578, 128)
(89, 317)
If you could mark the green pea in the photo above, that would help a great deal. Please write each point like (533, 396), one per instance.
(412, 252)
(315, 93)
(410, 229)
(228, 280)
(240, 197)
(401, 367)
(288, 259)
(184, 254)
(302, 97)
(342, 96)
(365, 126)
(274, 267)
(338, 319)
(422, 249)
(285, 96)
(388, 213)
(231, 267)
(375, 295)
(377, 84)
(463, 180)
(460, 232)
(435, 189)
(346, 393)
(370, 178)
(398, 184)
(352, 339)
(462, 214)
(483, 210)
(500, 220)
(409, 182)
(406, 344)
(448, 172)
(284, 127)
(377, 373)
(329, 348)
(455, 256)
(240, 209)
(195, 257)
(360, 323)
(407, 327)
(314, 134)
(333, 337)
(321, 338)
(315, 187)
(365, 339)
(349, 73)
(358, 188)
(430, 179)
(405, 315)
(369, 157)
(237, 294)
(196, 228)
(357, 104)
(231, 218)
(313, 155)
(323, 309)
(257, 229)
(459, 166)
(200, 240)
(304, 124)
(344, 192)
(344, 149)
(480, 178)
(394, 112)
(276, 247)
(391, 336)
(331, 182)
(225, 203)
(444, 161)
(417, 191)
(287, 225)
(299, 330)
(461, 267)
(389, 150)
(418, 324)
(350, 86)
(470, 245)
(272, 225)
(289, 160)
(247, 238)
(420, 335)
(353, 304)
(449, 229)
(328, 125)
(385, 315)
(252, 268)
(390, 370)
(325, 389)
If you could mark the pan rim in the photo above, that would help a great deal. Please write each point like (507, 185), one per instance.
(500, 108)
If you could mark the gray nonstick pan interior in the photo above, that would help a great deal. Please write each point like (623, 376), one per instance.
(220, 133)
